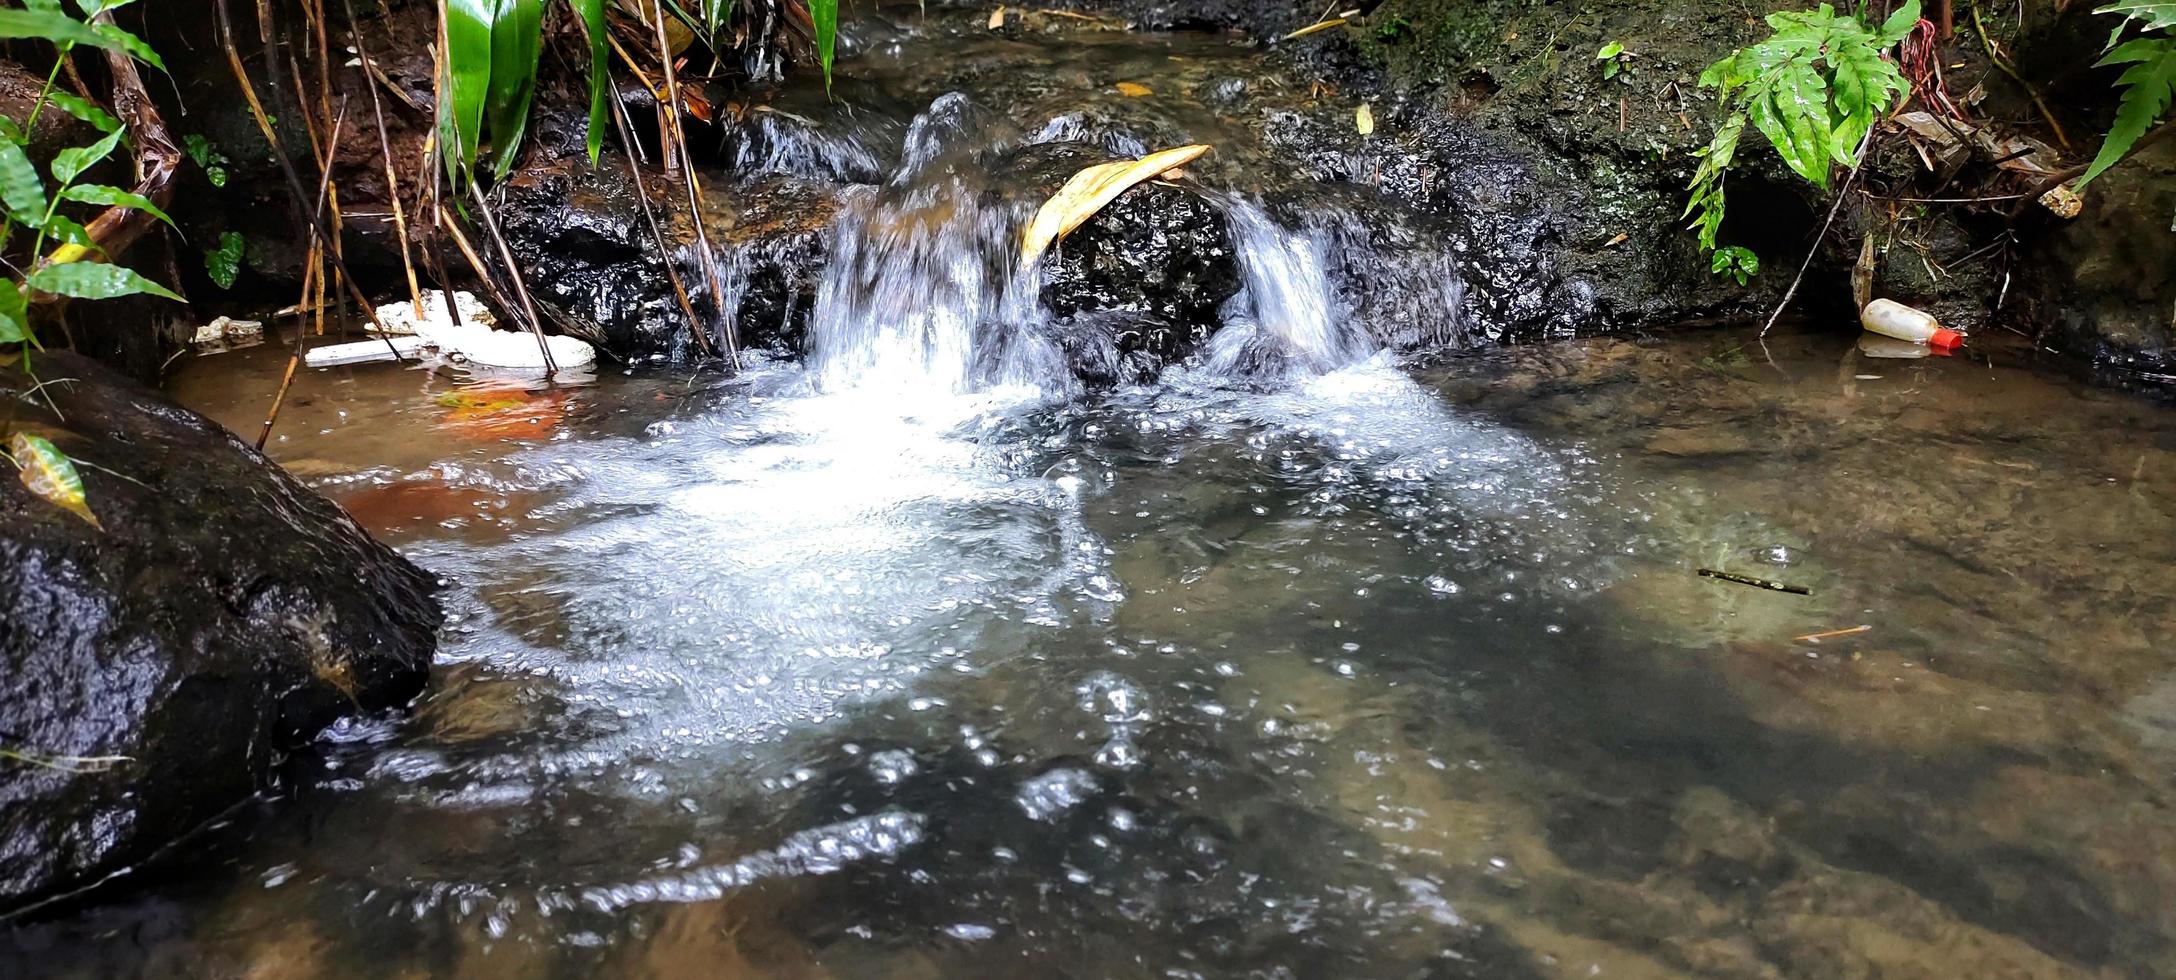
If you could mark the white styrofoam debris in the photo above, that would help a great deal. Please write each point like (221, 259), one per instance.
(363, 351)
(474, 339)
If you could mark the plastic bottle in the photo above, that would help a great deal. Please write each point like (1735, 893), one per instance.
(1890, 318)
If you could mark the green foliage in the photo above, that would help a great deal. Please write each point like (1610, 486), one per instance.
(100, 194)
(207, 158)
(2147, 86)
(84, 109)
(517, 42)
(94, 280)
(467, 85)
(600, 66)
(1814, 88)
(492, 53)
(224, 263)
(1735, 261)
(70, 163)
(52, 25)
(26, 202)
(1612, 56)
(825, 14)
(14, 314)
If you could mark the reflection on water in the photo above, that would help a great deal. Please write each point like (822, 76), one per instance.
(1402, 670)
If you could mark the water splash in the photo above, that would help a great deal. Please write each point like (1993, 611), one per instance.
(921, 297)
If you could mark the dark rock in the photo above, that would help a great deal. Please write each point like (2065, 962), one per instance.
(1144, 278)
(590, 258)
(222, 615)
(2103, 286)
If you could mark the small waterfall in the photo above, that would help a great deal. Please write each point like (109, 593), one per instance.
(1285, 317)
(922, 293)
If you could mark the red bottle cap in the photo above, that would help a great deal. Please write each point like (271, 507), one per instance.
(1945, 338)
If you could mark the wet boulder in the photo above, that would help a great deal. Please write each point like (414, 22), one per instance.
(156, 667)
(2099, 287)
(1140, 284)
(591, 260)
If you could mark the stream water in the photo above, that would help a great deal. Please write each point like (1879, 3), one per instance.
(911, 659)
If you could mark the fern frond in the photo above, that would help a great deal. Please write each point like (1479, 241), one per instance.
(2148, 86)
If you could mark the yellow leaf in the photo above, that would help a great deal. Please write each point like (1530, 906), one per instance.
(997, 18)
(49, 474)
(1363, 119)
(1320, 25)
(1088, 191)
(1134, 90)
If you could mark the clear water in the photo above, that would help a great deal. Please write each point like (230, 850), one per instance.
(912, 660)
(1400, 670)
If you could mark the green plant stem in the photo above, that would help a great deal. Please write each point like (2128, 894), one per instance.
(37, 108)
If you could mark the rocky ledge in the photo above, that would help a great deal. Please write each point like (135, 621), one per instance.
(156, 668)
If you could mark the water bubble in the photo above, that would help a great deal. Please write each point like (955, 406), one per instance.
(1119, 753)
(969, 932)
(1113, 699)
(1046, 796)
(892, 766)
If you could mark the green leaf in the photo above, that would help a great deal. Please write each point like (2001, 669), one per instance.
(1900, 24)
(64, 229)
(130, 43)
(52, 25)
(600, 68)
(1782, 113)
(14, 313)
(1610, 50)
(95, 280)
(2149, 85)
(12, 131)
(517, 35)
(2154, 15)
(468, 85)
(114, 197)
(1867, 86)
(21, 190)
(73, 161)
(84, 109)
(50, 474)
(224, 263)
(825, 15)
(198, 148)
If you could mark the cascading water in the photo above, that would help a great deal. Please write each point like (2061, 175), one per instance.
(1284, 316)
(923, 293)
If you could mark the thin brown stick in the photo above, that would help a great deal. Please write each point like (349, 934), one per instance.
(670, 116)
(312, 271)
(385, 149)
(1842, 194)
(513, 274)
(476, 264)
(287, 165)
(657, 232)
